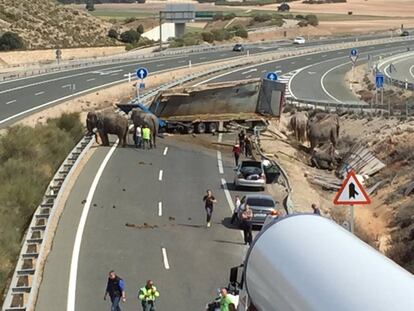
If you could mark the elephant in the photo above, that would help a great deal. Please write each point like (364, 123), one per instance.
(141, 118)
(323, 128)
(298, 123)
(107, 123)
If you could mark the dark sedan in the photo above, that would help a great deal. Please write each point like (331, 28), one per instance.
(262, 205)
(238, 48)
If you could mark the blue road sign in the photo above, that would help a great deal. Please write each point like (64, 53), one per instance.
(142, 85)
(271, 76)
(142, 73)
(354, 52)
(379, 80)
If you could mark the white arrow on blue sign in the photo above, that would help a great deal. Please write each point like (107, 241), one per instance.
(353, 55)
(142, 73)
(271, 76)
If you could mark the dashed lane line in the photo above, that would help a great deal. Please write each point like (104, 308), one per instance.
(79, 232)
(165, 259)
(160, 175)
(11, 102)
(160, 209)
(39, 93)
(220, 162)
(220, 137)
(89, 80)
(165, 151)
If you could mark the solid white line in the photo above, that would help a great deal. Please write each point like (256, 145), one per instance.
(79, 233)
(248, 71)
(220, 137)
(39, 93)
(412, 71)
(165, 259)
(91, 79)
(11, 102)
(66, 85)
(165, 151)
(323, 78)
(160, 175)
(220, 162)
(159, 208)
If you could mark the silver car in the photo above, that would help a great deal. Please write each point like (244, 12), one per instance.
(250, 174)
(262, 205)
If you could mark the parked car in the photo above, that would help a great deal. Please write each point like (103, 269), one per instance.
(238, 48)
(262, 206)
(250, 174)
(299, 40)
(405, 33)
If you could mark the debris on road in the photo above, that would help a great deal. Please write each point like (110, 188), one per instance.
(143, 226)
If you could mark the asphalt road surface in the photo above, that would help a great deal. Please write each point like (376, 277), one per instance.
(400, 67)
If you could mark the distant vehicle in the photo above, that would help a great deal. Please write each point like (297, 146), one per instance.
(262, 205)
(250, 174)
(284, 7)
(238, 48)
(299, 40)
(405, 33)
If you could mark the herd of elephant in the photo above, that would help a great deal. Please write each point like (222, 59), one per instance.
(317, 128)
(104, 123)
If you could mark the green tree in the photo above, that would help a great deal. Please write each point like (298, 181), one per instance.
(207, 37)
(140, 29)
(90, 5)
(11, 41)
(312, 19)
(130, 36)
(112, 33)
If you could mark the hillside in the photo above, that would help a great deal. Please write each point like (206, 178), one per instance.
(46, 24)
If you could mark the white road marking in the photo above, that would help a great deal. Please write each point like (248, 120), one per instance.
(311, 72)
(220, 162)
(159, 208)
(165, 151)
(323, 78)
(79, 233)
(263, 71)
(249, 76)
(248, 71)
(412, 71)
(39, 93)
(114, 74)
(182, 61)
(293, 63)
(11, 102)
(324, 55)
(165, 259)
(160, 175)
(203, 57)
(309, 58)
(220, 137)
(159, 65)
(103, 72)
(91, 79)
(229, 199)
(67, 85)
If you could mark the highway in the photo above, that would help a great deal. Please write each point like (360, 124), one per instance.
(161, 188)
(399, 67)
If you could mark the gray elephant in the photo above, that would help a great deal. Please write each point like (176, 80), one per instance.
(298, 124)
(323, 128)
(141, 118)
(107, 123)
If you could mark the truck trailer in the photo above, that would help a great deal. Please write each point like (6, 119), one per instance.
(212, 107)
(309, 263)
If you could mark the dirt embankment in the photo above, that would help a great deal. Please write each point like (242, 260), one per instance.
(388, 223)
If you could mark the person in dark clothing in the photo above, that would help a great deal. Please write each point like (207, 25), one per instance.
(242, 136)
(115, 288)
(236, 153)
(315, 209)
(209, 200)
(246, 218)
(247, 147)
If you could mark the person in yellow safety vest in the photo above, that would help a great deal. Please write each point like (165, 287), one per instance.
(146, 137)
(147, 295)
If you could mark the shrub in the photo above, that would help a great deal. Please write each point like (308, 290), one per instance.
(140, 29)
(277, 22)
(90, 6)
(11, 41)
(207, 37)
(312, 19)
(112, 33)
(303, 23)
(260, 18)
(129, 20)
(130, 36)
(240, 32)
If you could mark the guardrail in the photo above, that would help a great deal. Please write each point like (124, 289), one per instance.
(171, 52)
(388, 79)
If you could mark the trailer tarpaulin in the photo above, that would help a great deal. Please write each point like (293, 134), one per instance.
(271, 98)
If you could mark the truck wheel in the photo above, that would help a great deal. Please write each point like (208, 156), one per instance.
(190, 129)
(201, 128)
(212, 127)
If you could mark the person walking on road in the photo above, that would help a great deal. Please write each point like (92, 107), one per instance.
(138, 137)
(225, 300)
(147, 295)
(242, 136)
(146, 137)
(247, 147)
(115, 288)
(209, 200)
(246, 218)
(315, 209)
(236, 153)
(237, 204)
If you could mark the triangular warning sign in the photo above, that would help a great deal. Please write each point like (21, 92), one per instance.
(351, 192)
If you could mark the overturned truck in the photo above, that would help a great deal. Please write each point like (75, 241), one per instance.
(212, 107)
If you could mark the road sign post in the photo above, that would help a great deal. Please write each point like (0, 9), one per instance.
(351, 193)
(141, 73)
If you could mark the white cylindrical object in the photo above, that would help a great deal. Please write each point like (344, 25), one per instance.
(309, 263)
